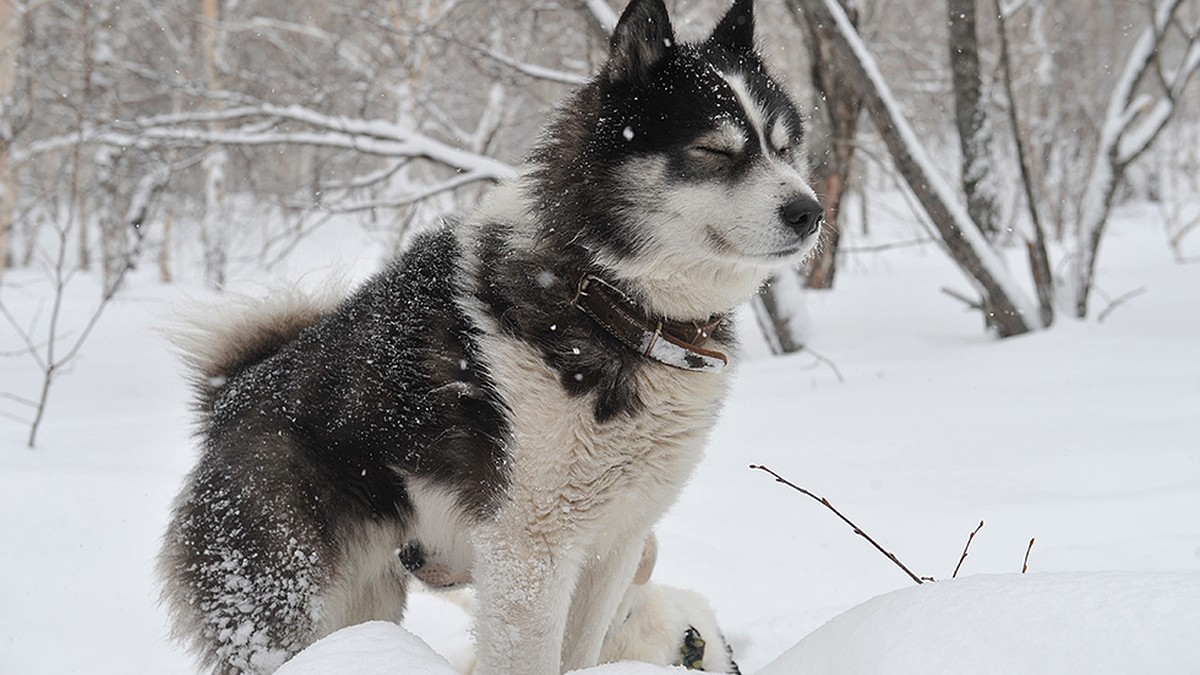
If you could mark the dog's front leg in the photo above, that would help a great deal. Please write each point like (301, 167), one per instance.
(602, 584)
(523, 585)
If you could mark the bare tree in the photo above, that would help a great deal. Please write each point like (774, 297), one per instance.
(1039, 257)
(48, 342)
(1144, 99)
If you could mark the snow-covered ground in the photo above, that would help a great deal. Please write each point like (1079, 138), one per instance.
(1086, 436)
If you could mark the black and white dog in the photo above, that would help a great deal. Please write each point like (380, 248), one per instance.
(514, 400)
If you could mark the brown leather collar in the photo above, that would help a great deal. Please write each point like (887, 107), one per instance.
(675, 343)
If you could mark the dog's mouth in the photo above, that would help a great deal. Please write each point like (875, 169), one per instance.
(724, 246)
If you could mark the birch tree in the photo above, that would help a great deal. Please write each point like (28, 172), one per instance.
(214, 223)
(971, 117)
(9, 51)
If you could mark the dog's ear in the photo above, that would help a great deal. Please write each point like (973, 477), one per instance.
(641, 39)
(736, 29)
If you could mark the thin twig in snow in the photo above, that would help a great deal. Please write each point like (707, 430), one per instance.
(973, 304)
(1025, 565)
(966, 548)
(821, 358)
(1117, 302)
(18, 399)
(30, 347)
(856, 528)
(16, 418)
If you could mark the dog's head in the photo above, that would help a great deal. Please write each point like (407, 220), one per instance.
(688, 161)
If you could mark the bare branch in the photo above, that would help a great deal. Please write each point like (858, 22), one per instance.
(528, 69)
(1010, 8)
(15, 418)
(856, 528)
(827, 361)
(30, 347)
(1117, 302)
(18, 399)
(1025, 565)
(409, 200)
(966, 548)
(973, 304)
(878, 248)
(603, 15)
(368, 136)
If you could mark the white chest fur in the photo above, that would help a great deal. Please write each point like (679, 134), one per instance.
(574, 474)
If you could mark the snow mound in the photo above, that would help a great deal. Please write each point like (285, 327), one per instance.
(1094, 623)
(384, 648)
(372, 648)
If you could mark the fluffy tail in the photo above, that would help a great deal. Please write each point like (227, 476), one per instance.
(219, 340)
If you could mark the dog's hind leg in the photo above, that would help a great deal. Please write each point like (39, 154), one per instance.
(264, 556)
(243, 579)
(370, 583)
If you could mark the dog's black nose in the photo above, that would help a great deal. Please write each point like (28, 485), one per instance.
(802, 214)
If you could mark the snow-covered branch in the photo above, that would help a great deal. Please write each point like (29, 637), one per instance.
(354, 57)
(376, 137)
(603, 14)
(532, 70)
(408, 199)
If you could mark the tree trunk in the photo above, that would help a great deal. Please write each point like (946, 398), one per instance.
(971, 118)
(9, 30)
(114, 240)
(1039, 258)
(75, 208)
(777, 311)
(7, 212)
(213, 227)
(838, 108)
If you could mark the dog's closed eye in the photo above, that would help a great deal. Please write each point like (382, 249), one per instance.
(711, 151)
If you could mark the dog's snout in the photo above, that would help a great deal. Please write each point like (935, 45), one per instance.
(803, 214)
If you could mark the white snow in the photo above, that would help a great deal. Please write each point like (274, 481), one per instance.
(372, 648)
(1082, 622)
(1086, 436)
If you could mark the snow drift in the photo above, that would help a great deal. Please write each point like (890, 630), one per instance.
(1060, 623)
